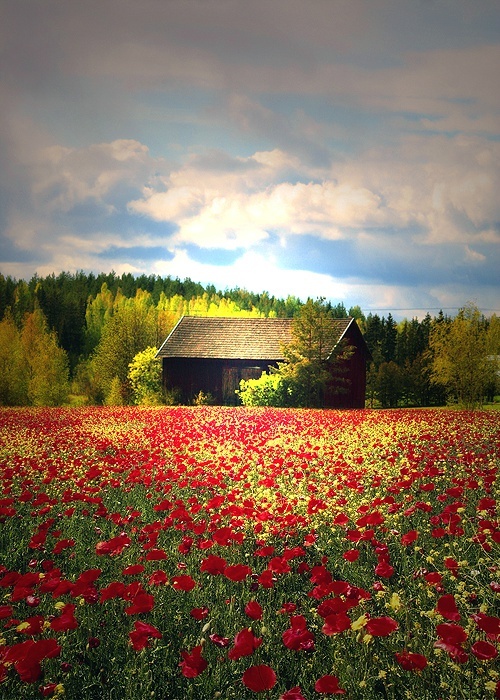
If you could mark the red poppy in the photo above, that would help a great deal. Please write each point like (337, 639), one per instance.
(157, 578)
(5, 611)
(141, 633)
(320, 575)
(293, 552)
(133, 570)
(63, 544)
(266, 579)
(48, 690)
(451, 633)
(351, 555)
(336, 623)
(218, 640)
(259, 678)
(237, 572)
(409, 537)
(451, 638)
(456, 651)
(32, 625)
(298, 637)
(114, 546)
(213, 565)
(199, 613)
(192, 663)
(183, 583)
(84, 585)
(293, 694)
(410, 661)
(141, 603)
(66, 620)
(156, 555)
(253, 610)
(381, 626)
(279, 565)
(116, 589)
(447, 607)
(486, 504)
(438, 532)
(265, 551)
(452, 565)
(328, 684)
(484, 650)
(384, 569)
(224, 536)
(245, 643)
(489, 624)
(27, 657)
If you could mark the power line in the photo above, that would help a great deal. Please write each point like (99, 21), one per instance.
(427, 308)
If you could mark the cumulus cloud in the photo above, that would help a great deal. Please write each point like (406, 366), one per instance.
(233, 207)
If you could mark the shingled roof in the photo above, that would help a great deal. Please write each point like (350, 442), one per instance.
(236, 338)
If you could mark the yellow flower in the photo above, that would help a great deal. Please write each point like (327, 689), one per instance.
(59, 605)
(59, 689)
(359, 623)
(382, 674)
(395, 602)
(491, 685)
(23, 626)
(367, 638)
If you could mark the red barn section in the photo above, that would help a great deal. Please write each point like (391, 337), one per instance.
(212, 355)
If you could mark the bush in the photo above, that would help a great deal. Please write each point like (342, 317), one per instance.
(144, 375)
(268, 390)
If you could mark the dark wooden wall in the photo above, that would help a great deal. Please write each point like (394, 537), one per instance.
(219, 378)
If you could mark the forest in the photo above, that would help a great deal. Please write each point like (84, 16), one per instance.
(71, 338)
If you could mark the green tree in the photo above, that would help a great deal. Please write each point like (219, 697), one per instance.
(99, 310)
(114, 395)
(46, 362)
(309, 361)
(463, 358)
(389, 384)
(144, 376)
(130, 329)
(13, 373)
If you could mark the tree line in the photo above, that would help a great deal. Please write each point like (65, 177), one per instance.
(90, 338)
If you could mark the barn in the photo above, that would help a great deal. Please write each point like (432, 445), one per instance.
(212, 355)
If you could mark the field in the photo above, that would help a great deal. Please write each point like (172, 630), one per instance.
(206, 552)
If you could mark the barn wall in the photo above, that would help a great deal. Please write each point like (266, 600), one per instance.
(355, 373)
(217, 377)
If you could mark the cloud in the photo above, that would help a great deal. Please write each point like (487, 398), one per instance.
(254, 271)
(350, 143)
(234, 208)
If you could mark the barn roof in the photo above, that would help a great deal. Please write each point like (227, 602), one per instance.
(237, 338)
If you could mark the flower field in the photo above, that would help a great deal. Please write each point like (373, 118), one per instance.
(208, 552)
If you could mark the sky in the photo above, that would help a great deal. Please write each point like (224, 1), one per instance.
(345, 149)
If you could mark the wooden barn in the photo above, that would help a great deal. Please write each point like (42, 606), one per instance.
(212, 355)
